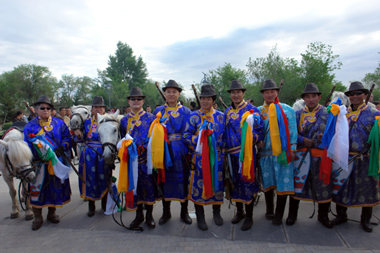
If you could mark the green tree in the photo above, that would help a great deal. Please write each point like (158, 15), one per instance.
(82, 95)
(373, 78)
(68, 86)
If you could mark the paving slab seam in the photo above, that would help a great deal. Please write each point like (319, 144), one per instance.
(342, 238)
(285, 234)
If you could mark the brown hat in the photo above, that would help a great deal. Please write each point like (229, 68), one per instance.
(311, 88)
(236, 85)
(43, 100)
(207, 90)
(98, 101)
(136, 92)
(356, 86)
(269, 85)
(172, 84)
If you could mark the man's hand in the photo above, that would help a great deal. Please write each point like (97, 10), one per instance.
(59, 151)
(292, 155)
(260, 144)
(78, 133)
(308, 143)
(320, 136)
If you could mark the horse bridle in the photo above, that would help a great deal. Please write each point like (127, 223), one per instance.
(81, 118)
(22, 174)
(110, 145)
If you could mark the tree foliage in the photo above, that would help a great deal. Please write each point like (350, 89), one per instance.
(373, 78)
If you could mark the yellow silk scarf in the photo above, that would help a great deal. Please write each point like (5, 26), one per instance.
(274, 130)
(123, 173)
(248, 146)
(156, 130)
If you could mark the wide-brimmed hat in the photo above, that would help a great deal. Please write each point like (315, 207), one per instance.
(207, 90)
(356, 86)
(43, 100)
(236, 85)
(98, 101)
(136, 92)
(172, 84)
(269, 85)
(311, 88)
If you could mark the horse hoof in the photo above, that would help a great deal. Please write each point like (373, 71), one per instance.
(14, 215)
(29, 217)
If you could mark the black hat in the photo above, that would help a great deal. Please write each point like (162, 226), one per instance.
(44, 100)
(207, 90)
(172, 84)
(311, 88)
(269, 85)
(356, 86)
(236, 85)
(136, 92)
(98, 101)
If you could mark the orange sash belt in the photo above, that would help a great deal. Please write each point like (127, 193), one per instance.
(314, 151)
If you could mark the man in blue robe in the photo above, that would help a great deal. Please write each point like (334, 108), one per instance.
(136, 124)
(245, 191)
(47, 190)
(212, 121)
(176, 177)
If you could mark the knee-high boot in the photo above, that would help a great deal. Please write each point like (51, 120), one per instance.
(91, 208)
(248, 221)
(166, 215)
(139, 217)
(293, 211)
(38, 220)
(51, 216)
(216, 215)
(323, 214)
(366, 219)
(269, 201)
(280, 208)
(149, 217)
(200, 212)
(184, 213)
(239, 213)
(341, 216)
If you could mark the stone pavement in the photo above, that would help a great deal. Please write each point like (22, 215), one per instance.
(78, 233)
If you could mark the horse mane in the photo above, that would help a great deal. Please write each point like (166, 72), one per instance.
(17, 147)
(298, 105)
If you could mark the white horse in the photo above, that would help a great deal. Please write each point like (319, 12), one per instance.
(109, 134)
(79, 114)
(342, 96)
(298, 105)
(16, 161)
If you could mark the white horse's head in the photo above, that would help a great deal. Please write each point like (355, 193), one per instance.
(16, 155)
(80, 114)
(108, 129)
(298, 105)
(342, 96)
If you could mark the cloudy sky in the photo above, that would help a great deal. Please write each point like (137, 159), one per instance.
(180, 39)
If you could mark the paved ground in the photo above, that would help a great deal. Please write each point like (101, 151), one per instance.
(78, 233)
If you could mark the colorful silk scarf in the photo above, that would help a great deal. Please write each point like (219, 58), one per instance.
(128, 174)
(279, 133)
(373, 140)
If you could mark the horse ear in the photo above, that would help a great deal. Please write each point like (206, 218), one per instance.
(3, 143)
(89, 108)
(116, 114)
(100, 118)
(73, 108)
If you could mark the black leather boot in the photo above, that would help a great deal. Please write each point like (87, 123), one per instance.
(280, 208)
(51, 216)
(269, 201)
(91, 208)
(323, 215)
(293, 211)
(166, 215)
(248, 221)
(366, 219)
(185, 217)
(139, 217)
(341, 216)
(239, 213)
(149, 217)
(104, 202)
(200, 212)
(216, 215)
(38, 220)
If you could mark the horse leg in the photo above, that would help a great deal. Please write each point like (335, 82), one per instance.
(29, 212)
(12, 193)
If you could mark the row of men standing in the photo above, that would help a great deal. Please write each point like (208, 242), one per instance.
(185, 179)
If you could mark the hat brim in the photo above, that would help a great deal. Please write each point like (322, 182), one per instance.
(98, 105)
(365, 90)
(243, 89)
(208, 95)
(315, 92)
(179, 89)
(37, 103)
(136, 96)
(262, 90)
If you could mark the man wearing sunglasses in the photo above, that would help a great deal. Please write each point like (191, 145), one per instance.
(136, 124)
(358, 189)
(91, 163)
(47, 190)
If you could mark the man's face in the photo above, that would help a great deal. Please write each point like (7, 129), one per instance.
(98, 109)
(237, 96)
(62, 112)
(68, 112)
(206, 103)
(270, 96)
(370, 98)
(215, 105)
(136, 103)
(357, 97)
(311, 100)
(44, 111)
(172, 95)
(128, 109)
(53, 112)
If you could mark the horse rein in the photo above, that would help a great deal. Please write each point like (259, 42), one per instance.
(22, 175)
(110, 145)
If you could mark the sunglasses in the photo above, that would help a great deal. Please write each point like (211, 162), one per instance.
(45, 108)
(134, 99)
(353, 93)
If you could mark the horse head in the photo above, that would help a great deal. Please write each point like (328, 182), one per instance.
(79, 115)
(17, 157)
(108, 129)
(298, 105)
